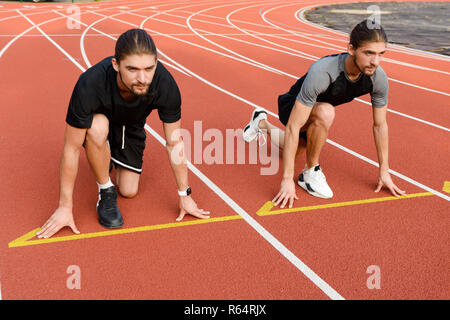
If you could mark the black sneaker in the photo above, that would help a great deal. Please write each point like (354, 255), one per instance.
(108, 213)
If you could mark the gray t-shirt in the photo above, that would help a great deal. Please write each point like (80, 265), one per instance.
(327, 81)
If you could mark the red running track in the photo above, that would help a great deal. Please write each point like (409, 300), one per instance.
(228, 57)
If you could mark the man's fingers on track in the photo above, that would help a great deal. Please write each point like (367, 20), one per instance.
(392, 189)
(44, 227)
(200, 214)
(181, 215)
(50, 231)
(402, 192)
(285, 200)
(378, 188)
(291, 202)
(276, 200)
(74, 228)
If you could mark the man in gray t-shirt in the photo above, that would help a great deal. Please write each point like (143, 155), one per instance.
(307, 111)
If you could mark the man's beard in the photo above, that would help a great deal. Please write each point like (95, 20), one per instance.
(139, 93)
(132, 90)
(364, 69)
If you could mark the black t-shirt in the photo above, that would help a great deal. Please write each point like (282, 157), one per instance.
(96, 91)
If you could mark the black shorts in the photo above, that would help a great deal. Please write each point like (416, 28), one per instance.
(286, 103)
(127, 144)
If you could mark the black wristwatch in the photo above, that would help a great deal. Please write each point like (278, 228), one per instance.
(185, 193)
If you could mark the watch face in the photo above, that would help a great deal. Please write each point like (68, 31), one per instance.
(188, 191)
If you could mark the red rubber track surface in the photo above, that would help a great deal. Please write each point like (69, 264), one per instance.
(223, 45)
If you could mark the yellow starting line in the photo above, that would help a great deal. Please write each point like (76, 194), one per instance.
(25, 239)
(265, 210)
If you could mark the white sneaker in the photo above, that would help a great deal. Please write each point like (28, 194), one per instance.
(252, 131)
(314, 182)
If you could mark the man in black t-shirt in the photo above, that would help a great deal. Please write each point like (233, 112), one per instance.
(106, 115)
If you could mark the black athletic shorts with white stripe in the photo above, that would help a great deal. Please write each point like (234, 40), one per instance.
(127, 144)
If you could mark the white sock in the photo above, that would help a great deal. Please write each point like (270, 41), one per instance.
(106, 185)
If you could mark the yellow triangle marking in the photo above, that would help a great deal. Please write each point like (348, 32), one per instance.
(446, 187)
(25, 239)
(265, 209)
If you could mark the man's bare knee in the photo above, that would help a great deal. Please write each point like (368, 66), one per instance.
(128, 192)
(98, 132)
(324, 115)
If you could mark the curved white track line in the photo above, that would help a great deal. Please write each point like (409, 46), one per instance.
(82, 39)
(228, 18)
(229, 37)
(299, 15)
(66, 5)
(192, 44)
(343, 48)
(33, 27)
(224, 48)
(314, 58)
(53, 42)
(357, 99)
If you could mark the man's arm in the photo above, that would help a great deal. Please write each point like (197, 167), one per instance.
(178, 163)
(73, 141)
(381, 137)
(299, 115)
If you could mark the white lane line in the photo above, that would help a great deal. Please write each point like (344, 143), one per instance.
(228, 36)
(188, 23)
(393, 172)
(190, 43)
(53, 42)
(83, 51)
(408, 116)
(300, 265)
(33, 27)
(134, 3)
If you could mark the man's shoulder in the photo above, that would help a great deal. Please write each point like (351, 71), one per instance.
(162, 73)
(380, 74)
(163, 79)
(379, 78)
(94, 81)
(330, 65)
(98, 72)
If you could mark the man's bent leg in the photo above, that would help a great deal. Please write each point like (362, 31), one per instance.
(318, 125)
(97, 150)
(99, 155)
(127, 181)
(274, 131)
(312, 178)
